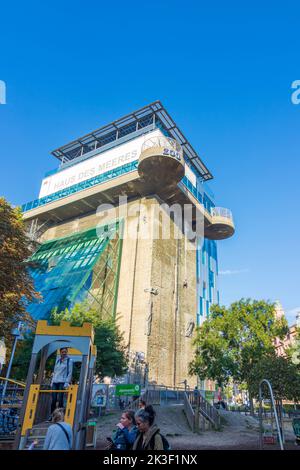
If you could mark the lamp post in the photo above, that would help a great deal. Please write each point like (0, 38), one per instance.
(16, 332)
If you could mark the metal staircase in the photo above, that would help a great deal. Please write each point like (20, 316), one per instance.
(200, 413)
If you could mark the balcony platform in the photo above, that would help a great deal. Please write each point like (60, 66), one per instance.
(159, 181)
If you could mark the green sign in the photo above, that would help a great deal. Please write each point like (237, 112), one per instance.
(127, 390)
(209, 395)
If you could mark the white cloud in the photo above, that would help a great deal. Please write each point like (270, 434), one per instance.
(229, 272)
(291, 315)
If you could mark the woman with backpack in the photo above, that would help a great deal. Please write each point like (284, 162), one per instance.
(149, 437)
(59, 434)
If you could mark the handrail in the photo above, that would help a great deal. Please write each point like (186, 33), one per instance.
(275, 413)
(6, 406)
(189, 412)
(208, 411)
(22, 384)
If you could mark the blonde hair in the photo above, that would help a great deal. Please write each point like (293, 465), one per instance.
(58, 415)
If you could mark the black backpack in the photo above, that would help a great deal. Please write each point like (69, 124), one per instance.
(164, 441)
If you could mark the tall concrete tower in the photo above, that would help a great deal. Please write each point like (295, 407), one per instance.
(127, 223)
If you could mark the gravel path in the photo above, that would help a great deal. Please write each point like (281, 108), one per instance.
(238, 431)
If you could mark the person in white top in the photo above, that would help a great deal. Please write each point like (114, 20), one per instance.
(61, 379)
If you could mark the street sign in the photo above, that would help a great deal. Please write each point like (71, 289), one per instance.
(99, 395)
(128, 390)
(209, 395)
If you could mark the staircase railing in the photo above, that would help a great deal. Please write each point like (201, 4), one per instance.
(208, 411)
(194, 405)
(189, 411)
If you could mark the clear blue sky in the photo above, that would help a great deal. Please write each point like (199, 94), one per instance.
(224, 72)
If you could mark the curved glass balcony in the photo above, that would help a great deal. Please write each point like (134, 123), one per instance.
(221, 212)
(162, 141)
(222, 225)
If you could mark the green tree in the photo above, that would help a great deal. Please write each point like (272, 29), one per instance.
(233, 340)
(111, 352)
(16, 285)
(293, 352)
(283, 375)
(22, 357)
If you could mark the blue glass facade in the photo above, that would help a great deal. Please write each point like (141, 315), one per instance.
(207, 278)
(74, 268)
(207, 257)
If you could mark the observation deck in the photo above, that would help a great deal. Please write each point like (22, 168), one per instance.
(159, 170)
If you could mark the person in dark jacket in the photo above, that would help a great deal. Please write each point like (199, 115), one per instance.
(148, 437)
(126, 433)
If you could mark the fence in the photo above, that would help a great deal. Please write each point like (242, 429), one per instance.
(10, 406)
(150, 396)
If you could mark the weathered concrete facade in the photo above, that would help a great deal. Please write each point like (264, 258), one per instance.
(156, 323)
(155, 277)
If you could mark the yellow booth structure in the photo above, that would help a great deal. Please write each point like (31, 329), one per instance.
(37, 395)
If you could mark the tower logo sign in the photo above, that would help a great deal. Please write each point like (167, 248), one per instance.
(2, 92)
(172, 153)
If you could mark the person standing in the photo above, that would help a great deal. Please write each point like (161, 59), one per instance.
(62, 376)
(59, 435)
(196, 394)
(142, 404)
(149, 437)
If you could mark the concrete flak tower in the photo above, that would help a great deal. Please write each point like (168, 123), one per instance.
(128, 223)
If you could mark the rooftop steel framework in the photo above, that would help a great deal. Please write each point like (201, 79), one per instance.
(153, 114)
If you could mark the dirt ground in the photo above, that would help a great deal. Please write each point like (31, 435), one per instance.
(238, 432)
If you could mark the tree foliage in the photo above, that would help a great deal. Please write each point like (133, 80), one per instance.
(16, 285)
(293, 352)
(111, 352)
(22, 357)
(233, 340)
(283, 375)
